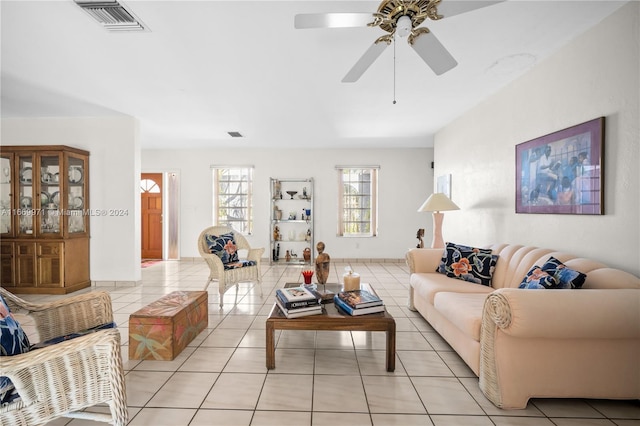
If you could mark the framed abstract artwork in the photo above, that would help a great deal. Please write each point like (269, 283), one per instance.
(562, 172)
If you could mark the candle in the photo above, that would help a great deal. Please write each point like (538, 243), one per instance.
(307, 274)
(351, 280)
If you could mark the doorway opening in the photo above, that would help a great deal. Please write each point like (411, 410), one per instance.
(151, 207)
(159, 201)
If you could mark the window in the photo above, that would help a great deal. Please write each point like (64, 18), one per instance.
(232, 188)
(148, 185)
(358, 201)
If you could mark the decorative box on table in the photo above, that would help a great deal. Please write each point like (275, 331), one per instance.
(162, 329)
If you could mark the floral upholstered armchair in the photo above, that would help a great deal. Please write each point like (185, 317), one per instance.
(219, 246)
(77, 364)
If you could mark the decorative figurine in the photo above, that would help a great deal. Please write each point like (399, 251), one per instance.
(322, 264)
(419, 236)
(276, 189)
(276, 233)
(306, 254)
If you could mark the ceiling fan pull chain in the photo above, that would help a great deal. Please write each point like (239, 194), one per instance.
(394, 71)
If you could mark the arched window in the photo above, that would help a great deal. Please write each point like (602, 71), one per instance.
(148, 185)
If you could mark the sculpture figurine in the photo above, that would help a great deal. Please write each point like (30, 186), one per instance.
(322, 264)
(276, 234)
(419, 236)
(306, 254)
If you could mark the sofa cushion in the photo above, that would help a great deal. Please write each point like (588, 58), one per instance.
(464, 310)
(13, 341)
(537, 278)
(566, 277)
(468, 263)
(223, 246)
(427, 285)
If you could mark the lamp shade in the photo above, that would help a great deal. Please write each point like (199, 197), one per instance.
(438, 202)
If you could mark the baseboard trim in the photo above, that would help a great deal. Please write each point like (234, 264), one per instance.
(115, 283)
(333, 260)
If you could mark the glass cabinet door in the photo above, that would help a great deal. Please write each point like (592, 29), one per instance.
(49, 197)
(77, 195)
(25, 207)
(6, 204)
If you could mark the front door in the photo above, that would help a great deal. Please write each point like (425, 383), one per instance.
(151, 202)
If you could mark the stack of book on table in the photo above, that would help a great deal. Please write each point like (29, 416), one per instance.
(297, 302)
(358, 302)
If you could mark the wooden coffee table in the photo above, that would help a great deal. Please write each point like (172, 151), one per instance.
(332, 319)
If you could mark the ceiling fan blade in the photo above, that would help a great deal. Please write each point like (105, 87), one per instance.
(332, 20)
(365, 62)
(429, 48)
(452, 8)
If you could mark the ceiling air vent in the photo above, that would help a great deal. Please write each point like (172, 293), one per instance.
(235, 134)
(112, 15)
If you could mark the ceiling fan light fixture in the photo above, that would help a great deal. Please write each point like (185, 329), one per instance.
(404, 26)
(404, 19)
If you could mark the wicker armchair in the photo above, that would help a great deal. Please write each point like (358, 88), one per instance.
(229, 277)
(62, 379)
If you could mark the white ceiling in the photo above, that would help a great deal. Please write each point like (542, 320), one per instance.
(209, 67)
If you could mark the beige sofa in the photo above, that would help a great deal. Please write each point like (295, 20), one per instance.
(580, 343)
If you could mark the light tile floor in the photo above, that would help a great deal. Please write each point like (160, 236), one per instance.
(321, 378)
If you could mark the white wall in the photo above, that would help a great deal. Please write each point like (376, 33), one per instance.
(405, 178)
(597, 74)
(114, 183)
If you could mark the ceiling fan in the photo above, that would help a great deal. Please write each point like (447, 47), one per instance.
(401, 17)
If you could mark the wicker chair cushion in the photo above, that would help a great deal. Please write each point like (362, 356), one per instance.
(72, 336)
(13, 341)
(240, 264)
(223, 246)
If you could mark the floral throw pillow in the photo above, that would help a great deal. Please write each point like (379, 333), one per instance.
(13, 341)
(223, 246)
(468, 263)
(537, 278)
(566, 277)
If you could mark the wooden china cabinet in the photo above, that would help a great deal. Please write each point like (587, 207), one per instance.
(44, 225)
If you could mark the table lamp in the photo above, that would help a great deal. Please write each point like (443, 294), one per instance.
(436, 203)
